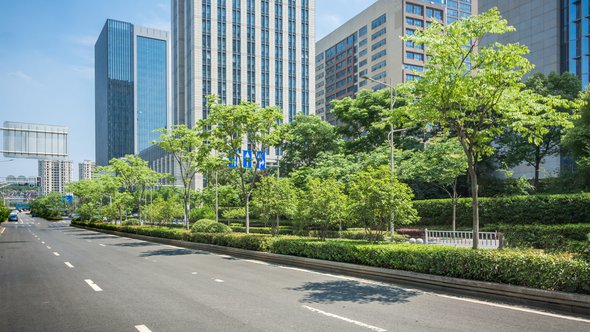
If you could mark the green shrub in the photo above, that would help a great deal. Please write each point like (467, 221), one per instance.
(218, 228)
(200, 226)
(205, 212)
(534, 209)
(517, 267)
(527, 268)
(283, 230)
(130, 221)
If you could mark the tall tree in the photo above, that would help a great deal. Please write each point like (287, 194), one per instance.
(441, 162)
(274, 197)
(324, 204)
(192, 156)
(515, 148)
(134, 176)
(358, 118)
(475, 91)
(245, 125)
(304, 139)
(377, 198)
(577, 139)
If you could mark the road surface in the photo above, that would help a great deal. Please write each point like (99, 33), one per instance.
(54, 277)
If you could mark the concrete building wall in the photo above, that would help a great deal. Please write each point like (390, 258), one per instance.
(55, 174)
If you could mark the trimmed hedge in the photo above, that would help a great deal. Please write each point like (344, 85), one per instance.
(218, 228)
(556, 238)
(517, 267)
(200, 226)
(534, 209)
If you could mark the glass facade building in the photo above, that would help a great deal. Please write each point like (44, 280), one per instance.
(575, 56)
(131, 88)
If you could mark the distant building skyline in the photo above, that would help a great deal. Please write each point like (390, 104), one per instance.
(86, 169)
(55, 174)
(369, 45)
(132, 88)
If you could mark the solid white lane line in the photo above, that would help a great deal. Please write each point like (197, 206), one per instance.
(142, 328)
(68, 264)
(370, 327)
(102, 245)
(218, 280)
(255, 262)
(2, 231)
(55, 253)
(93, 285)
(532, 311)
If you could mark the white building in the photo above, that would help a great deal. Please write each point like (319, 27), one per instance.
(55, 174)
(86, 169)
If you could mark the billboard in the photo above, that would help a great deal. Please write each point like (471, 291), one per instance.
(34, 141)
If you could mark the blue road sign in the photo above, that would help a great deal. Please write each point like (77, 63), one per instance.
(247, 159)
(261, 157)
(233, 161)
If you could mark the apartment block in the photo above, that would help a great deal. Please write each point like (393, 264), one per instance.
(86, 169)
(370, 45)
(55, 174)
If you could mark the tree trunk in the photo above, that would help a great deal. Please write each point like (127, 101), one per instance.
(537, 173)
(474, 205)
(186, 208)
(454, 203)
(247, 197)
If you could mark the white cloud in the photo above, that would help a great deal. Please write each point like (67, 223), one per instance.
(20, 76)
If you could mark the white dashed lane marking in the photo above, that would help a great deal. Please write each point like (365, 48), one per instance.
(93, 285)
(370, 327)
(68, 264)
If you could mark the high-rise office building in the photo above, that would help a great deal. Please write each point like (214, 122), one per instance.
(86, 169)
(255, 50)
(557, 33)
(55, 174)
(132, 88)
(369, 45)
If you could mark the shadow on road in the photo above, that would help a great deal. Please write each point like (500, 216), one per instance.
(171, 252)
(328, 292)
(7, 242)
(96, 237)
(134, 244)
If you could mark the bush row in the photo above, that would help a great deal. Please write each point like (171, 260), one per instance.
(572, 238)
(517, 267)
(535, 209)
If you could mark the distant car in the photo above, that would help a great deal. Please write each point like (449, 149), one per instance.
(13, 217)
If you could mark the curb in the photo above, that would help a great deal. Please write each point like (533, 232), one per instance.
(554, 300)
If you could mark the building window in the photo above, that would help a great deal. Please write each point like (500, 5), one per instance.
(414, 9)
(379, 65)
(378, 55)
(414, 68)
(363, 31)
(414, 56)
(415, 22)
(434, 13)
(378, 34)
(378, 44)
(378, 22)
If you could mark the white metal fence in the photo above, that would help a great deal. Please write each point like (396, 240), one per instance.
(463, 238)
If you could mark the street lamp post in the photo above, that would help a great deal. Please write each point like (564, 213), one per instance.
(392, 99)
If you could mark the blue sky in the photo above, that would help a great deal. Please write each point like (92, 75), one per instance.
(47, 60)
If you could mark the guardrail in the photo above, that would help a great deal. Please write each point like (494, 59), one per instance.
(463, 238)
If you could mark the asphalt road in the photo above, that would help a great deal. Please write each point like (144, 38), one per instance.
(54, 277)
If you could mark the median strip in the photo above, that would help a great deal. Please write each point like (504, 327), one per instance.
(370, 327)
(93, 285)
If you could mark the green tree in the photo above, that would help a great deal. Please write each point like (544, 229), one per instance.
(274, 197)
(577, 139)
(134, 176)
(475, 91)
(304, 139)
(516, 148)
(118, 206)
(235, 126)
(192, 156)
(324, 205)
(357, 118)
(441, 162)
(377, 199)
